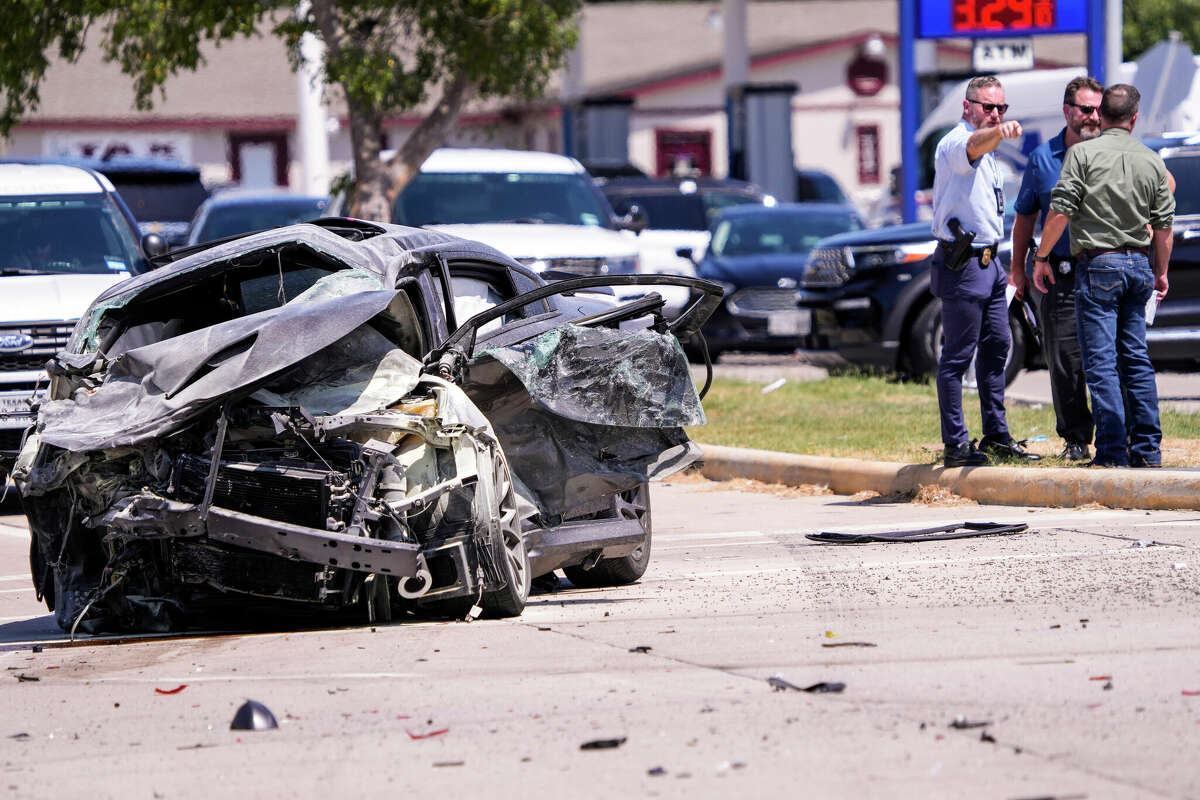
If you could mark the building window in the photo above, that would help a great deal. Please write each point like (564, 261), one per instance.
(259, 160)
(683, 153)
(867, 137)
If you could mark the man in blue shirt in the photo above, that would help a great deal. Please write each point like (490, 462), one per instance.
(968, 221)
(1056, 308)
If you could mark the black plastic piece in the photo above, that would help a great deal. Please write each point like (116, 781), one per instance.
(965, 530)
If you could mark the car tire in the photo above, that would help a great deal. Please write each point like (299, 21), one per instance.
(633, 504)
(1016, 352)
(924, 340)
(508, 550)
(925, 345)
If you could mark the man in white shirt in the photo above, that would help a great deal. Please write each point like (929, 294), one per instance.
(968, 221)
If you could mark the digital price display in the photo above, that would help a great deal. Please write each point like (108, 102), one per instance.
(984, 18)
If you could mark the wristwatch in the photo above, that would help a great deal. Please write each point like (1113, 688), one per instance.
(1038, 257)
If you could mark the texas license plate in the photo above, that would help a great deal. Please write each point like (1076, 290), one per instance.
(789, 323)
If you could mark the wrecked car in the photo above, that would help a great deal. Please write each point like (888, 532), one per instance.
(295, 420)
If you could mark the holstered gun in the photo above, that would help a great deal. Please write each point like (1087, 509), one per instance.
(959, 252)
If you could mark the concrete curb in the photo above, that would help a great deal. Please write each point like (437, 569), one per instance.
(1162, 489)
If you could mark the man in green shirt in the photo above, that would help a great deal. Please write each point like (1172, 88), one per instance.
(1114, 191)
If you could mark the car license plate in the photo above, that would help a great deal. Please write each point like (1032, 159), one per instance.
(790, 323)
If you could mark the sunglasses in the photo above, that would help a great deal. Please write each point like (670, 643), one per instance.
(990, 107)
(1085, 110)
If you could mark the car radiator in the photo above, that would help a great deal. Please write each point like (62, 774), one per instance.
(302, 495)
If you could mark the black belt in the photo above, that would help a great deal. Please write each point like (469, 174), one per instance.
(1101, 251)
(985, 254)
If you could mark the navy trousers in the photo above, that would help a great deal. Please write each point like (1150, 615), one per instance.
(974, 321)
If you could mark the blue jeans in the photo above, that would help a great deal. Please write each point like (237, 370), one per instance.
(1111, 291)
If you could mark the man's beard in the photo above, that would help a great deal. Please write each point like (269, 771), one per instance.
(1085, 132)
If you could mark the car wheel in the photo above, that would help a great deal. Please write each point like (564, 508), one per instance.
(925, 341)
(632, 505)
(1016, 352)
(509, 551)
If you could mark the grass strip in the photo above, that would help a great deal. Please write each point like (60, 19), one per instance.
(879, 419)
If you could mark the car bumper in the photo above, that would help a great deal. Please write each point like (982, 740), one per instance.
(852, 327)
(573, 542)
(758, 319)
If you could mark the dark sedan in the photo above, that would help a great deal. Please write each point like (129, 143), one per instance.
(759, 255)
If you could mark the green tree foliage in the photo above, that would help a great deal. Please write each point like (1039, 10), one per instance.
(385, 56)
(1147, 22)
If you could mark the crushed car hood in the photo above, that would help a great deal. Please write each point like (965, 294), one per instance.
(149, 391)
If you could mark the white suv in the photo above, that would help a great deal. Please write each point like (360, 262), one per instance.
(540, 208)
(64, 238)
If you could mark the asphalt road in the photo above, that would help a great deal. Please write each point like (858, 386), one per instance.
(1077, 649)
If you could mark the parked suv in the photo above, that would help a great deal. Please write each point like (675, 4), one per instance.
(870, 304)
(162, 194)
(65, 237)
(1175, 334)
(868, 292)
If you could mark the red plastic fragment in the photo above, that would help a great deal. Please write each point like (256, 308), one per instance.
(1100, 678)
(176, 690)
(416, 736)
(1191, 693)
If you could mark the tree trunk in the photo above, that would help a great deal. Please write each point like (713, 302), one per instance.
(377, 185)
(371, 181)
(429, 135)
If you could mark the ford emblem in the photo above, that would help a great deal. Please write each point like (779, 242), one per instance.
(15, 342)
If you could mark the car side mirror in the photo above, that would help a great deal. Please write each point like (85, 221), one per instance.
(636, 219)
(685, 252)
(153, 245)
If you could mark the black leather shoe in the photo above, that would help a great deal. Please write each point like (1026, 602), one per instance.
(1075, 452)
(1137, 462)
(963, 455)
(1009, 448)
(1098, 462)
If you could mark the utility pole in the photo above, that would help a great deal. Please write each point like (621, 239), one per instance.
(312, 124)
(1114, 42)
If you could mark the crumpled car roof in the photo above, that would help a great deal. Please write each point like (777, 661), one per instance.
(384, 255)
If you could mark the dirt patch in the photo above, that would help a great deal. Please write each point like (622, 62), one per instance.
(941, 496)
(747, 485)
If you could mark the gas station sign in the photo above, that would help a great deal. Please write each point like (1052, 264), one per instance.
(990, 18)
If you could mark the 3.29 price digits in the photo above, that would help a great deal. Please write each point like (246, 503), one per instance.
(1001, 15)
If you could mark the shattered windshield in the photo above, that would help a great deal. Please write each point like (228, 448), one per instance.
(443, 198)
(71, 234)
